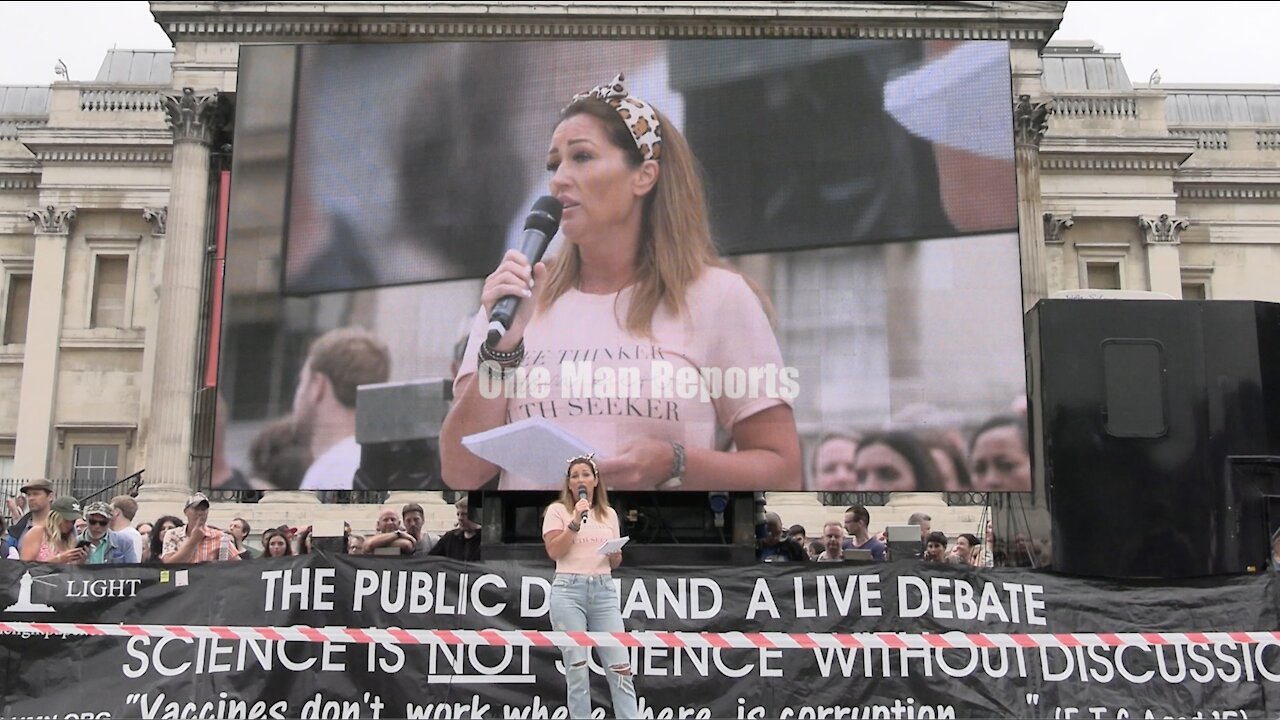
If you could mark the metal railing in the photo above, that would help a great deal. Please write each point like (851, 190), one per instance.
(846, 499)
(329, 497)
(880, 499)
(81, 489)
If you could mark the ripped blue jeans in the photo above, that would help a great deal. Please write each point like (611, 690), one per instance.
(590, 603)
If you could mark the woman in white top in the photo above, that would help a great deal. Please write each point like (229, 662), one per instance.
(583, 597)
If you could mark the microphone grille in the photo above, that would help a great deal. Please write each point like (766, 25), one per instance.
(545, 215)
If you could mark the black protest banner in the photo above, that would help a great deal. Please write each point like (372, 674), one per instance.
(1017, 658)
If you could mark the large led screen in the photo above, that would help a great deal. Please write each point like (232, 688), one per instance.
(806, 276)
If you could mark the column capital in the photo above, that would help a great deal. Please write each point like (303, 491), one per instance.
(1162, 230)
(158, 217)
(51, 221)
(1030, 120)
(1055, 226)
(190, 115)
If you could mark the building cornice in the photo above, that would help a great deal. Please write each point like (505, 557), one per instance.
(131, 147)
(1105, 164)
(1236, 192)
(131, 137)
(1228, 184)
(19, 182)
(116, 155)
(1032, 22)
(1230, 175)
(1095, 145)
(129, 430)
(14, 129)
(1122, 155)
(131, 341)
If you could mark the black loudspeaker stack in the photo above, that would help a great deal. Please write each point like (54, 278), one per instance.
(1156, 426)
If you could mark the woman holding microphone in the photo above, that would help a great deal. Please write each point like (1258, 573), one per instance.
(583, 597)
(638, 287)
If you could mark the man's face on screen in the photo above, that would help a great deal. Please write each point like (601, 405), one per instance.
(304, 406)
(591, 176)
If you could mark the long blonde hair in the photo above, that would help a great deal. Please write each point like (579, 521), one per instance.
(599, 499)
(53, 533)
(675, 233)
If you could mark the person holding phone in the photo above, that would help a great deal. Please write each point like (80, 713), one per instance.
(583, 597)
(103, 545)
(55, 541)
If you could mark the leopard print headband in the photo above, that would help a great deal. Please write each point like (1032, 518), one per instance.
(638, 115)
(588, 459)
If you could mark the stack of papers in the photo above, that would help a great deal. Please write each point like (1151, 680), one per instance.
(534, 449)
(613, 546)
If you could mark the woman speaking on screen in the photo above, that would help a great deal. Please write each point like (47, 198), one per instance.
(654, 353)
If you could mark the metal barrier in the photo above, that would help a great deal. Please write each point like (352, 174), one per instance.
(82, 489)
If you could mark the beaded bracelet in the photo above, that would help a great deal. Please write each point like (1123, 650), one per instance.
(505, 359)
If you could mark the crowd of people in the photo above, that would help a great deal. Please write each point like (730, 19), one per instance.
(59, 529)
(851, 539)
(995, 458)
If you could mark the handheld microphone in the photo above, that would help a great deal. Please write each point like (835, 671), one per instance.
(582, 495)
(540, 225)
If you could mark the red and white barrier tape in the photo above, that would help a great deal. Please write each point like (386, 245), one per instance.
(647, 639)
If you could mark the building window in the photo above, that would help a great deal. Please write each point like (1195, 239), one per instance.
(1197, 282)
(110, 288)
(16, 309)
(108, 299)
(1102, 276)
(93, 467)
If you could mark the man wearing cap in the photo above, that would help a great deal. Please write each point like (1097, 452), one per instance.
(195, 542)
(54, 539)
(39, 494)
(106, 547)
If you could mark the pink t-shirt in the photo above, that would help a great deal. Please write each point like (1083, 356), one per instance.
(582, 558)
(706, 371)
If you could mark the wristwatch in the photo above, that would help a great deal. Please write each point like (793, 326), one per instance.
(677, 469)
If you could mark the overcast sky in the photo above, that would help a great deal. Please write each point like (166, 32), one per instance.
(1190, 42)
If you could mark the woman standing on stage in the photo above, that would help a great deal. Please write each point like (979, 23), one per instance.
(583, 597)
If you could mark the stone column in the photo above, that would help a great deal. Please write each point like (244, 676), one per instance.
(168, 476)
(1030, 120)
(158, 218)
(1163, 267)
(44, 331)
